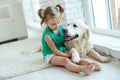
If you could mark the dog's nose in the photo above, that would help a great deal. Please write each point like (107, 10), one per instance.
(65, 30)
(76, 35)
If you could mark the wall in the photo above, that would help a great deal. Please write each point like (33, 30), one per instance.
(73, 8)
(5, 2)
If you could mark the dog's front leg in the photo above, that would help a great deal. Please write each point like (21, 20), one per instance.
(75, 55)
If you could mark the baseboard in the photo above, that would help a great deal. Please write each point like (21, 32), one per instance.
(7, 41)
(12, 40)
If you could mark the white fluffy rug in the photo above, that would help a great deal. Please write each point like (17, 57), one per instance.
(20, 57)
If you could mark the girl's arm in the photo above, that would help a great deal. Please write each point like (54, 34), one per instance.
(53, 47)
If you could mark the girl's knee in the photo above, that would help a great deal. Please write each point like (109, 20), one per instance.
(65, 61)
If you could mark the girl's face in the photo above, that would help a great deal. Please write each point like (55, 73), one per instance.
(53, 22)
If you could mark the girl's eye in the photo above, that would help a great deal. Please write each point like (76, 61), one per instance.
(53, 24)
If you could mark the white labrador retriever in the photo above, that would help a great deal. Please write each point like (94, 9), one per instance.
(77, 35)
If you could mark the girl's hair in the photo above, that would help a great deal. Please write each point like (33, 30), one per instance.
(52, 11)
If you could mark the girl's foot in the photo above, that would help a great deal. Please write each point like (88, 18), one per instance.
(96, 64)
(88, 69)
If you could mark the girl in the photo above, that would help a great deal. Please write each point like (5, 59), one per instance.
(54, 50)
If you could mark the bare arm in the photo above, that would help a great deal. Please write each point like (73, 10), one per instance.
(53, 47)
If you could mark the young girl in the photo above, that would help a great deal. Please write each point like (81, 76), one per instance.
(54, 50)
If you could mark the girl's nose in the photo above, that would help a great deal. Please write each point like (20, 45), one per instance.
(57, 25)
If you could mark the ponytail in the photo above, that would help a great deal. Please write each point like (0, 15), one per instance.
(60, 9)
(41, 15)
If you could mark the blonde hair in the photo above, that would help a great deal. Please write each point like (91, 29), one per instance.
(52, 11)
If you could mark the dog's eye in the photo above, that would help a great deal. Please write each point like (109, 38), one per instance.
(75, 25)
(68, 24)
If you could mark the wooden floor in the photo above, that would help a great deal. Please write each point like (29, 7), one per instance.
(110, 71)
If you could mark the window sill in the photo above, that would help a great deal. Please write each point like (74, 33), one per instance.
(106, 44)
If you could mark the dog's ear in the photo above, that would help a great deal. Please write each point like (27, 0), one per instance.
(86, 30)
(87, 33)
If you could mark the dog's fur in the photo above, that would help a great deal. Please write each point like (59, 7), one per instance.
(77, 40)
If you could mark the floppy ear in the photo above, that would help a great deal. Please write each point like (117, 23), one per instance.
(86, 29)
(87, 33)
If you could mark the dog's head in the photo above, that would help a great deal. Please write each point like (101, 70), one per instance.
(76, 29)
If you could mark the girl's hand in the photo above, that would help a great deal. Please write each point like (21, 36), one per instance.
(69, 55)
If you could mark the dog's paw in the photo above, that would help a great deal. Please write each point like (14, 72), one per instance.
(76, 59)
(75, 55)
(103, 59)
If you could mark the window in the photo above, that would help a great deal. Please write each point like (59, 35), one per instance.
(103, 16)
(115, 13)
(100, 14)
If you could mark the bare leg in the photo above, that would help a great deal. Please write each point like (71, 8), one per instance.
(68, 64)
(88, 62)
(84, 62)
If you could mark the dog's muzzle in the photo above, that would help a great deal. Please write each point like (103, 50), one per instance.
(68, 38)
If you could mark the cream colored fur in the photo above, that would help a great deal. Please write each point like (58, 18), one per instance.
(82, 44)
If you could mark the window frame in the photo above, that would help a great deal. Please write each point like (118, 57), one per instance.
(89, 17)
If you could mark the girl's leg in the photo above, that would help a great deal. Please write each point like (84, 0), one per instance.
(68, 64)
(88, 62)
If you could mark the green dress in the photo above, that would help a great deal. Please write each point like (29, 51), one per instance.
(57, 39)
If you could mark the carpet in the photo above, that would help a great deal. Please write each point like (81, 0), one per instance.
(21, 57)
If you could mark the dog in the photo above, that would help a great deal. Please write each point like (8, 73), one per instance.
(77, 41)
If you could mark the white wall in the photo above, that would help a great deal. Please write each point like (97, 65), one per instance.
(73, 8)
(5, 2)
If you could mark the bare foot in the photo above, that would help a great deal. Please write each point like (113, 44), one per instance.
(96, 64)
(88, 69)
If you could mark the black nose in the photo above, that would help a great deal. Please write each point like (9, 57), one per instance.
(65, 30)
(76, 35)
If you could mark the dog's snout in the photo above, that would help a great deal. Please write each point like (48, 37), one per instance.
(65, 30)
